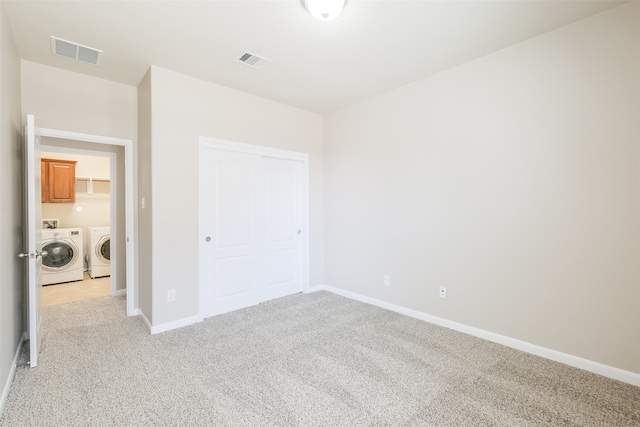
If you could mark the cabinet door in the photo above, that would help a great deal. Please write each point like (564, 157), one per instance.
(60, 181)
(44, 170)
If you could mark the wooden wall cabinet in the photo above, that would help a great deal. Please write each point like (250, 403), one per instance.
(58, 181)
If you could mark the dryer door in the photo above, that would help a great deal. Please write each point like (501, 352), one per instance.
(103, 249)
(60, 255)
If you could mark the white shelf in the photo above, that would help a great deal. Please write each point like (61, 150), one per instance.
(92, 178)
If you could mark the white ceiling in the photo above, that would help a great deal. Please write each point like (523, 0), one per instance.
(318, 66)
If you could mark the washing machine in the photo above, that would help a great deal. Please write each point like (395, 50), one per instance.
(63, 261)
(99, 257)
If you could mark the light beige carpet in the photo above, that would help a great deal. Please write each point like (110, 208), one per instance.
(304, 360)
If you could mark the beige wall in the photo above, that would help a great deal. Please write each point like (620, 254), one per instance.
(74, 102)
(12, 320)
(183, 109)
(145, 220)
(514, 181)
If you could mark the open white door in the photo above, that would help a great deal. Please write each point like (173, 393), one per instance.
(33, 228)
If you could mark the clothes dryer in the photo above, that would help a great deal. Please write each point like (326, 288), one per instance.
(99, 257)
(63, 261)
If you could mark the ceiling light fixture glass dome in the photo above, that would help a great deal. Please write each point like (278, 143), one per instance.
(324, 10)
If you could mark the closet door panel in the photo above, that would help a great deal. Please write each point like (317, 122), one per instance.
(283, 194)
(231, 185)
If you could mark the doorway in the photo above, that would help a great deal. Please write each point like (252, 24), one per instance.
(33, 253)
(121, 209)
(86, 219)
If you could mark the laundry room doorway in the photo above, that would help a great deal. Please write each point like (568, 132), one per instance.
(120, 215)
(76, 229)
(122, 232)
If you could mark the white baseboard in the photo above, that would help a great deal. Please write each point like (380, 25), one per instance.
(120, 292)
(12, 373)
(169, 325)
(145, 320)
(316, 289)
(567, 359)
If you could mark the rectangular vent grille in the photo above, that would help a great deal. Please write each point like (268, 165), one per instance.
(252, 60)
(75, 51)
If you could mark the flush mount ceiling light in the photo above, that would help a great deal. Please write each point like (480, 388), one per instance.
(324, 10)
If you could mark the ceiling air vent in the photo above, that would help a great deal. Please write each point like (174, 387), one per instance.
(252, 60)
(75, 51)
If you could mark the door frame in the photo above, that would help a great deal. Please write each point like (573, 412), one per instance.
(238, 147)
(129, 234)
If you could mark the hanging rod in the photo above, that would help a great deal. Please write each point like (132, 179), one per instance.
(91, 178)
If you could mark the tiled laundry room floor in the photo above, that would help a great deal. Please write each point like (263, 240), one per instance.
(75, 291)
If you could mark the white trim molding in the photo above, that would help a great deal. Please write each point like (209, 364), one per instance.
(557, 356)
(173, 325)
(7, 385)
(145, 320)
(169, 325)
(240, 147)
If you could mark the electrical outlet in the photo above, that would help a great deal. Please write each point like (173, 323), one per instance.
(443, 292)
(171, 295)
(387, 280)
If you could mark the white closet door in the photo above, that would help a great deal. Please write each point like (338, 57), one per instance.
(232, 232)
(251, 229)
(283, 213)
